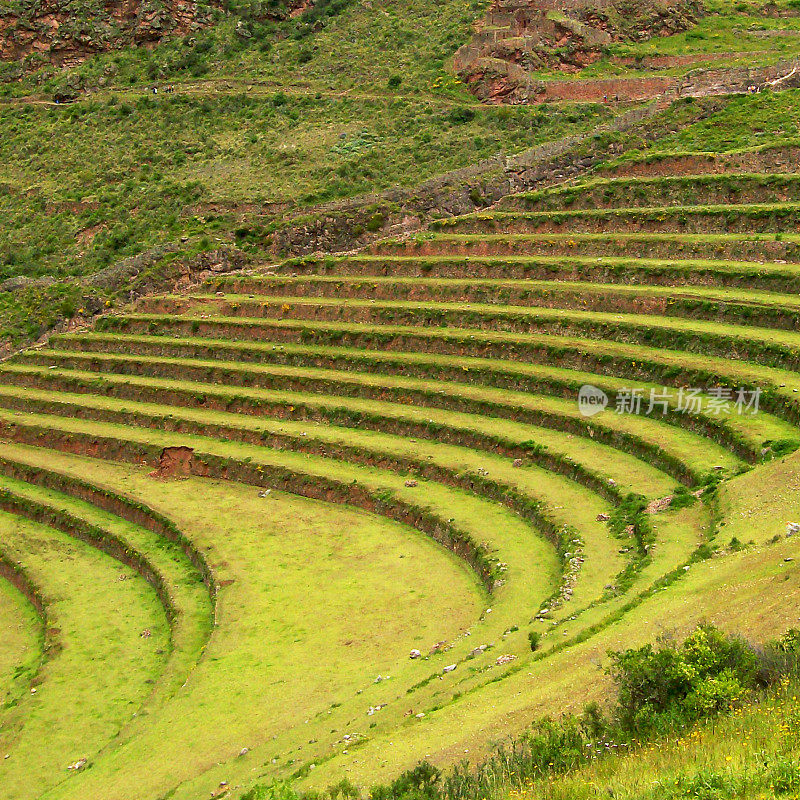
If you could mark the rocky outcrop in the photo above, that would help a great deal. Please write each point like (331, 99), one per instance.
(65, 33)
(519, 37)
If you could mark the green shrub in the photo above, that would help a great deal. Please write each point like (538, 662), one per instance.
(670, 683)
(278, 790)
(419, 783)
(458, 116)
(682, 498)
(376, 222)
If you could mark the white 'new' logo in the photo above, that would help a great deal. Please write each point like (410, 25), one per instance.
(591, 400)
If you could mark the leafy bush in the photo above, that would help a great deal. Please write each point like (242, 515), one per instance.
(458, 116)
(670, 684)
(419, 783)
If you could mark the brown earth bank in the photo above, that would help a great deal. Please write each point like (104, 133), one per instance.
(757, 251)
(463, 342)
(680, 219)
(784, 159)
(652, 193)
(709, 308)
(461, 437)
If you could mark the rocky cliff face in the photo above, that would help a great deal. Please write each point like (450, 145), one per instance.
(518, 37)
(65, 32)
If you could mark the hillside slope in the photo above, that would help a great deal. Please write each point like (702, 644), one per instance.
(354, 465)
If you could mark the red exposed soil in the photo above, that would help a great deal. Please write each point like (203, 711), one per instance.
(784, 159)
(177, 462)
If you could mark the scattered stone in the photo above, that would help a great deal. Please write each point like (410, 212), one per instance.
(792, 528)
(145, 634)
(479, 650)
(411, 483)
(242, 31)
(504, 659)
(265, 493)
(78, 765)
(449, 668)
(420, 715)
(603, 517)
(415, 654)
(517, 462)
(661, 504)
(244, 751)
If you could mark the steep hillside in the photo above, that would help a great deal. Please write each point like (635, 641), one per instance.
(432, 382)
(369, 419)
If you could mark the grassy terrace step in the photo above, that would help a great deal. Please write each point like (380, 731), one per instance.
(521, 269)
(757, 218)
(34, 468)
(482, 533)
(537, 494)
(163, 563)
(676, 540)
(677, 452)
(239, 708)
(680, 190)
(103, 671)
(733, 247)
(23, 621)
(444, 357)
(311, 612)
(472, 438)
(391, 322)
(770, 158)
(765, 309)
